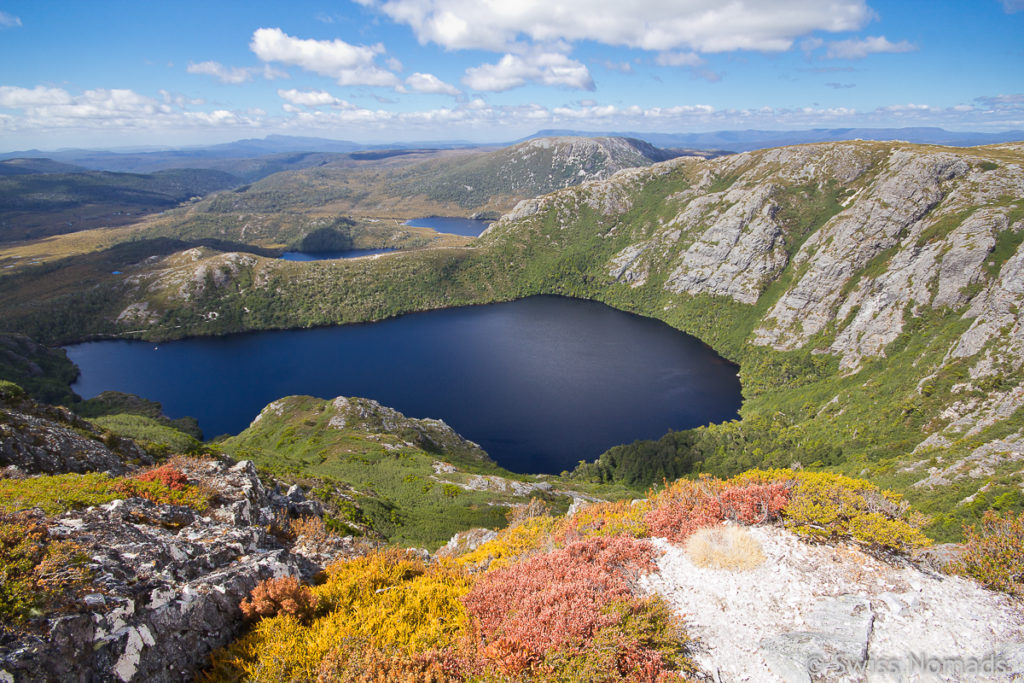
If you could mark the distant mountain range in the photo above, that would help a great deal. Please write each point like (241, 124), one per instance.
(276, 152)
(285, 152)
(749, 140)
(41, 197)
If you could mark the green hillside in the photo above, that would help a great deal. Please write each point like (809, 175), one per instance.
(38, 205)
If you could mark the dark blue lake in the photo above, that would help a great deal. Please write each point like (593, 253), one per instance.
(330, 255)
(454, 226)
(540, 383)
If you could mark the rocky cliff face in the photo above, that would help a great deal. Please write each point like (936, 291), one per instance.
(496, 180)
(37, 438)
(875, 255)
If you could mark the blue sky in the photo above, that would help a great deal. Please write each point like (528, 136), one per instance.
(110, 73)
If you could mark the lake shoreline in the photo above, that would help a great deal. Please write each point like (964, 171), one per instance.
(632, 376)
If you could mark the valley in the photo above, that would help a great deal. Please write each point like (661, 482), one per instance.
(866, 289)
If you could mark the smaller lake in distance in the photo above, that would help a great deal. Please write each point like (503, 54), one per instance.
(330, 255)
(539, 383)
(453, 226)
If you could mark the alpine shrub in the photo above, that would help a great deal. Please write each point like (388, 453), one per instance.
(993, 553)
(829, 507)
(284, 595)
(558, 599)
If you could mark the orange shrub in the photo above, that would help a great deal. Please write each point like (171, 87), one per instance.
(685, 506)
(284, 595)
(167, 474)
(525, 610)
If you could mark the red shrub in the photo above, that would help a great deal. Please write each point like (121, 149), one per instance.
(755, 503)
(527, 609)
(167, 475)
(686, 506)
(681, 509)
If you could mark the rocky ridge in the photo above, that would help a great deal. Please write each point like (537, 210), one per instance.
(165, 581)
(36, 438)
(854, 251)
(885, 276)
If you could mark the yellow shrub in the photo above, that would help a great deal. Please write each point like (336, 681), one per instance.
(387, 599)
(529, 536)
(608, 519)
(829, 506)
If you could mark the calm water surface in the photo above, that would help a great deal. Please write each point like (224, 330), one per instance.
(540, 383)
(330, 255)
(454, 226)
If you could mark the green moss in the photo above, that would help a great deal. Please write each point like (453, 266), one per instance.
(55, 494)
(148, 431)
(1007, 244)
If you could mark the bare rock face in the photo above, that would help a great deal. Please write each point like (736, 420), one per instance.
(815, 612)
(910, 186)
(37, 438)
(739, 251)
(936, 274)
(997, 309)
(168, 581)
(466, 541)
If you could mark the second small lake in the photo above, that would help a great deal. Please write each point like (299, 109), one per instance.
(540, 383)
(330, 255)
(454, 226)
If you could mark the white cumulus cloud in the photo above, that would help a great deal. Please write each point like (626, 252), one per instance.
(312, 98)
(429, 83)
(235, 74)
(513, 70)
(52, 109)
(661, 25)
(678, 59)
(859, 49)
(347, 64)
(13, 97)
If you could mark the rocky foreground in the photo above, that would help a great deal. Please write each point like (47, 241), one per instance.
(821, 612)
(166, 580)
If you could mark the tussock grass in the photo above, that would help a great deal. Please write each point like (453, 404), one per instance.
(724, 547)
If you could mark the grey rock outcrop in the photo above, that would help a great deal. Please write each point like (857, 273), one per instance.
(909, 187)
(36, 438)
(835, 643)
(167, 582)
(739, 251)
(816, 612)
